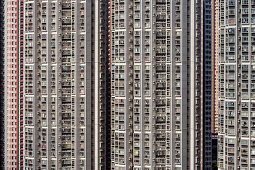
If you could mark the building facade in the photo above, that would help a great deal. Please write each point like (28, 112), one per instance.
(236, 76)
(12, 84)
(215, 53)
(207, 83)
(215, 85)
(56, 71)
(74, 68)
(2, 83)
(156, 84)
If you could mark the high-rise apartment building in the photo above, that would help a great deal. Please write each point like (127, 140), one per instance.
(156, 84)
(207, 83)
(71, 74)
(12, 148)
(56, 70)
(236, 79)
(2, 83)
(214, 52)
